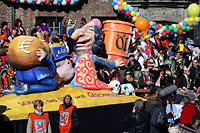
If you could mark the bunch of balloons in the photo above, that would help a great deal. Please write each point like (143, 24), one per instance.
(143, 23)
(48, 2)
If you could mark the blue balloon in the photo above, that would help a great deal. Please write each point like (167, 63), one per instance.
(60, 1)
(76, 0)
(115, 1)
(142, 15)
(71, 2)
(113, 4)
(30, 1)
(50, 4)
(131, 9)
(154, 27)
(148, 19)
(41, 3)
(194, 23)
(164, 28)
(185, 23)
(67, 4)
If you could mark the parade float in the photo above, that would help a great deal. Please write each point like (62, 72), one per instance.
(39, 67)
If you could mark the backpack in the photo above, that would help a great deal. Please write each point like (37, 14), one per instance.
(157, 117)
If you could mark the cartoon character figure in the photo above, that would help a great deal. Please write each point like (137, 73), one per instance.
(88, 43)
(33, 60)
(68, 27)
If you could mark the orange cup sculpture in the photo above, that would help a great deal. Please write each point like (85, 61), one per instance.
(117, 37)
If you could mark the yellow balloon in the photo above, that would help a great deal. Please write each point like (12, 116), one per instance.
(193, 10)
(191, 28)
(134, 18)
(124, 4)
(196, 19)
(191, 19)
(133, 13)
(186, 19)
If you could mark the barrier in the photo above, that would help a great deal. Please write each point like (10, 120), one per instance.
(184, 129)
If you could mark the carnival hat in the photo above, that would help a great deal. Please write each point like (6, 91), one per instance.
(147, 36)
(170, 54)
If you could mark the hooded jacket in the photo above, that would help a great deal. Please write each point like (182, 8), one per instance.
(189, 110)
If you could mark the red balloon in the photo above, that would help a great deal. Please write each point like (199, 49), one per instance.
(68, 0)
(25, 2)
(180, 32)
(128, 13)
(164, 34)
(158, 26)
(47, 2)
(13, 0)
(168, 31)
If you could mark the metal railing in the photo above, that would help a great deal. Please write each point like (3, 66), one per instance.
(184, 129)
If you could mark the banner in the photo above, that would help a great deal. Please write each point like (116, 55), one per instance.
(18, 107)
(177, 108)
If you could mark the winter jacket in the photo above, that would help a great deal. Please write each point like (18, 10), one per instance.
(189, 110)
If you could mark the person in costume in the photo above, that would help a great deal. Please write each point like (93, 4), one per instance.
(68, 25)
(44, 27)
(38, 122)
(13, 35)
(6, 81)
(68, 116)
(5, 29)
(171, 58)
(88, 42)
(18, 26)
(82, 23)
(34, 31)
(148, 43)
(146, 81)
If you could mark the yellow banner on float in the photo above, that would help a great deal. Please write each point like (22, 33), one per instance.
(18, 107)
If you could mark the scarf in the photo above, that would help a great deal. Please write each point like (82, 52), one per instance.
(129, 79)
(67, 105)
(158, 42)
(145, 81)
(38, 113)
(5, 83)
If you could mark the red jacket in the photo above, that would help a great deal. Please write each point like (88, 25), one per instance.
(189, 110)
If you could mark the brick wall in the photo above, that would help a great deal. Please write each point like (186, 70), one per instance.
(6, 13)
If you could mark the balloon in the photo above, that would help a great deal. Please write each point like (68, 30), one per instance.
(188, 28)
(30, 1)
(186, 19)
(131, 9)
(168, 31)
(72, 2)
(154, 23)
(126, 8)
(41, 3)
(47, 2)
(115, 1)
(134, 18)
(78, 0)
(123, 13)
(176, 30)
(68, 1)
(191, 19)
(138, 14)
(164, 34)
(128, 5)
(154, 27)
(60, 1)
(13, 0)
(142, 24)
(124, 4)
(142, 15)
(167, 26)
(196, 19)
(157, 26)
(148, 19)
(174, 25)
(193, 10)
(171, 33)
(121, 8)
(171, 28)
(116, 7)
(128, 13)
(34, 3)
(190, 24)
(17, 1)
(167, 36)
(164, 28)
(181, 23)
(194, 23)
(22, 1)
(113, 4)
(59, 4)
(184, 32)
(135, 10)
(43, 0)
(160, 25)
(185, 23)
(183, 28)
(38, 2)
(151, 23)
(64, 2)
(51, 1)
(133, 13)
(119, 3)
(55, 2)
(178, 26)
(130, 17)
(180, 32)
(160, 30)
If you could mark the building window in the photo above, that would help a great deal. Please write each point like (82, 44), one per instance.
(54, 23)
